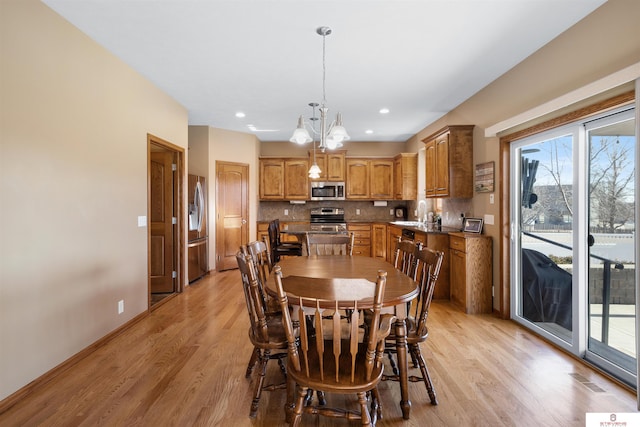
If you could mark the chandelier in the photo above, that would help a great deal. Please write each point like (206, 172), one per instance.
(334, 134)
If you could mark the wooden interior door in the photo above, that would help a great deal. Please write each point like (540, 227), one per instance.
(232, 212)
(161, 225)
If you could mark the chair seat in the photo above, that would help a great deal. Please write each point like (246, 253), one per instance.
(412, 332)
(277, 336)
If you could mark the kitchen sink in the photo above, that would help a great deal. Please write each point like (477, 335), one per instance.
(409, 223)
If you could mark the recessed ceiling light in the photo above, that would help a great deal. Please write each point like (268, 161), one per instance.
(368, 131)
(384, 111)
(240, 114)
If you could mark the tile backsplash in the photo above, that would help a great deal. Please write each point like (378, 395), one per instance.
(368, 212)
(271, 210)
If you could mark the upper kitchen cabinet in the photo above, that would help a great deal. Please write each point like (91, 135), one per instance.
(271, 179)
(449, 162)
(405, 176)
(357, 181)
(296, 179)
(331, 165)
(284, 179)
(369, 178)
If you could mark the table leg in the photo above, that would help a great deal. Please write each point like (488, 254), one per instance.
(403, 367)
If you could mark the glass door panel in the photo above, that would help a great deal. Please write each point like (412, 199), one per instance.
(545, 237)
(612, 240)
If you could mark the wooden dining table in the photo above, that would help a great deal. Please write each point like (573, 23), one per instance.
(297, 281)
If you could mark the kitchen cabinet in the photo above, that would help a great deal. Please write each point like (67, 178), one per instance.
(331, 164)
(357, 179)
(262, 231)
(393, 234)
(449, 162)
(296, 179)
(470, 272)
(369, 179)
(379, 241)
(439, 242)
(362, 240)
(405, 180)
(381, 179)
(271, 179)
(284, 179)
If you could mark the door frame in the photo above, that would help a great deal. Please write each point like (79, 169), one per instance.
(247, 211)
(178, 196)
(505, 184)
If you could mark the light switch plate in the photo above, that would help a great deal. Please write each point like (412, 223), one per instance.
(142, 221)
(488, 219)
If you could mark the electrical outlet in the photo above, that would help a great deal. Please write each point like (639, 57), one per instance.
(391, 212)
(121, 306)
(286, 212)
(357, 211)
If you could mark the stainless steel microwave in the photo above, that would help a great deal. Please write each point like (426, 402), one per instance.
(327, 191)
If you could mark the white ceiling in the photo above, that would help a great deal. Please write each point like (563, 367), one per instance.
(419, 59)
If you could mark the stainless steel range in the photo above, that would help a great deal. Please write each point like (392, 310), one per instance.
(328, 219)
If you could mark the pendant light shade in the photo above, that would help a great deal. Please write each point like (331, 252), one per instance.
(301, 134)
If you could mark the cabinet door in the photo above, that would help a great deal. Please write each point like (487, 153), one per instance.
(405, 180)
(296, 180)
(335, 166)
(442, 166)
(458, 277)
(430, 169)
(379, 241)
(440, 242)
(393, 233)
(271, 179)
(357, 179)
(381, 176)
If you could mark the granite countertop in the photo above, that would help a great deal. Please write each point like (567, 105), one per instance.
(423, 228)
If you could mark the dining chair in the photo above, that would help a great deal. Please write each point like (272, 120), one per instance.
(339, 357)
(404, 259)
(279, 248)
(265, 332)
(428, 263)
(330, 244)
(261, 257)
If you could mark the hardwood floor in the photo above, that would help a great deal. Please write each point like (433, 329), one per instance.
(184, 365)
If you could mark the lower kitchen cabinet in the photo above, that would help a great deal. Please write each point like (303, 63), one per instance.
(439, 242)
(379, 241)
(362, 241)
(393, 234)
(471, 272)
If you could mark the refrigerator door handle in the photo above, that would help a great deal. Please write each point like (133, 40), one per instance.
(199, 201)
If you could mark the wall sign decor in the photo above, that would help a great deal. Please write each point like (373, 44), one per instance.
(485, 177)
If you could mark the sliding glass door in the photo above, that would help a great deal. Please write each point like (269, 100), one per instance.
(612, 242)
(573, 238)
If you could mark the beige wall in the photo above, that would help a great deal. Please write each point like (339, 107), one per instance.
(73, 180)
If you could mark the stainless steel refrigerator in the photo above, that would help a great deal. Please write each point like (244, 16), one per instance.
(198, 237)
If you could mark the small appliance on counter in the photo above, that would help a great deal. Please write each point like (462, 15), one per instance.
(400, 213)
